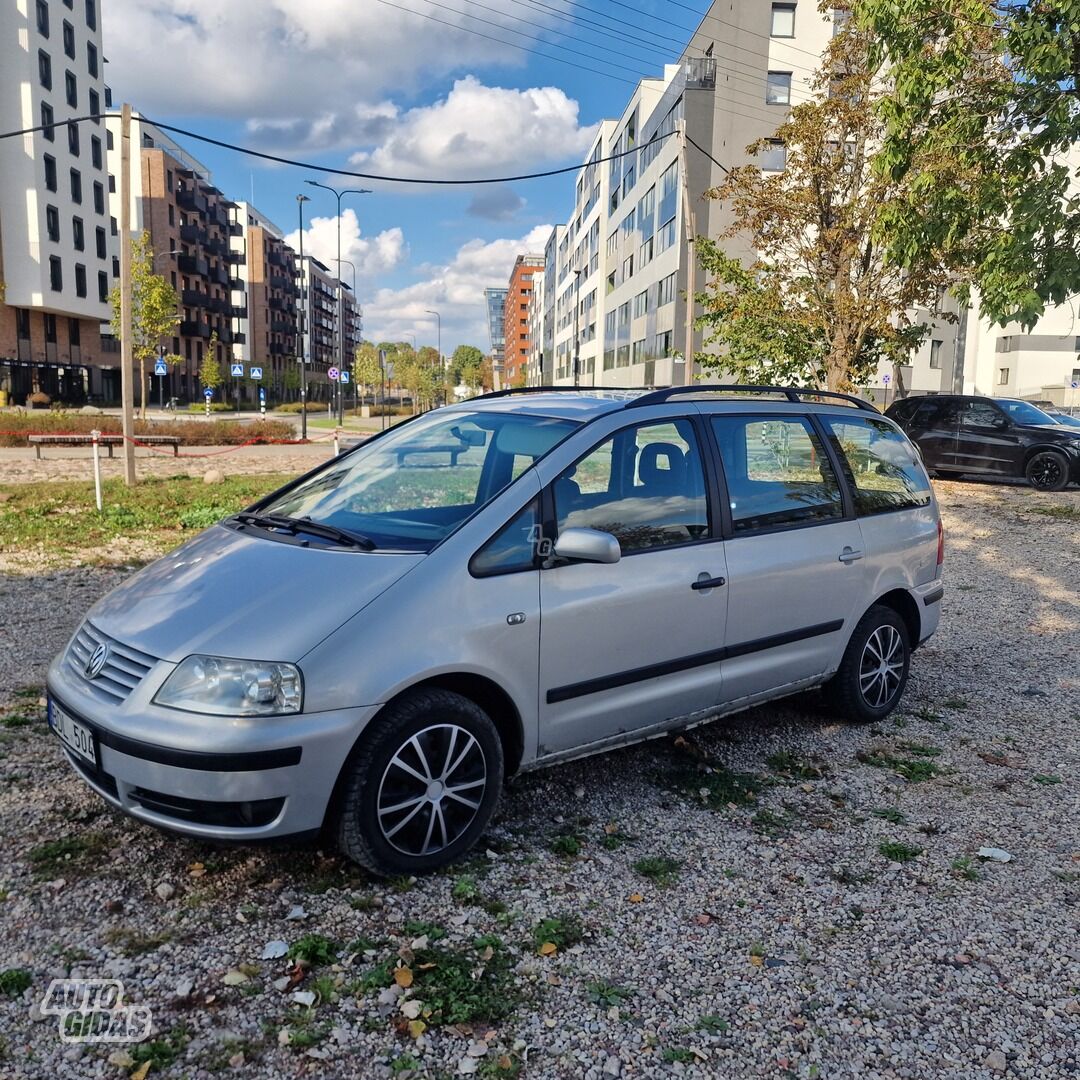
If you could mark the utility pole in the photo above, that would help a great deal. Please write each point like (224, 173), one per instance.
(691, 257)
(960, 352)
(127, 373)
(300, 200)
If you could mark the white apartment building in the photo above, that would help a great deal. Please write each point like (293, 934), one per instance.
(56, 245)
(535, 366)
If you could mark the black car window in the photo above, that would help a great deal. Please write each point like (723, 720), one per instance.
(981, 414)
(929, 414)
(513, 548)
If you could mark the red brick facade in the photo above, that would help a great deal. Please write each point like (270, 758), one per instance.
(516, 319)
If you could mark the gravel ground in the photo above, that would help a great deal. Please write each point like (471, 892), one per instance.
(785, 943)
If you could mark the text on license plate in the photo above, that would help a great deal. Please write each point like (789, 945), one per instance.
(77, 737)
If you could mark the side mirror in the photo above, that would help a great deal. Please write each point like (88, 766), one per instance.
(1000, 423)
(588, 545)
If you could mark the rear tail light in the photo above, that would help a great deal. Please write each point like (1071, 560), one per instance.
(940, 542)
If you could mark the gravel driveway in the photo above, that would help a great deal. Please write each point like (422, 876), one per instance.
(775, 895)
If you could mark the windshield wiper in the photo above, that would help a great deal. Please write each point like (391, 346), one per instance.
(306, 525)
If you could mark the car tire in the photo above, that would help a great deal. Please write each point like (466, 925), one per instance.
(1047, 471)
(858, 692)
(421, 784)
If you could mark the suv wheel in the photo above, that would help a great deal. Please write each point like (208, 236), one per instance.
(421, 785)
(1048, 471)
(871, 678)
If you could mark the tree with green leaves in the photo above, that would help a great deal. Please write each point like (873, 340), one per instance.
(464, 356)
(367, 368)
(290, 377)
(210, 374)
(819, 302)
(980, 131)
(154, 309)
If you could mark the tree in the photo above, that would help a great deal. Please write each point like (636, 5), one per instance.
(154, 313)
(367, 368)
(822, 303)
(984, 111)
(210, 370)
(465, 356)
(472, 373)
(290, 377)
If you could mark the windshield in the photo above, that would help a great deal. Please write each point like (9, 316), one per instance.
(1066, 420)
(1023, 412)
(414, 486)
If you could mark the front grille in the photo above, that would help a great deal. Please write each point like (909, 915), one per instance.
(124, 669)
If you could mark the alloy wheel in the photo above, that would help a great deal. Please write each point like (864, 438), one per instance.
(882, 666)
(1045, 471)
(431, 789)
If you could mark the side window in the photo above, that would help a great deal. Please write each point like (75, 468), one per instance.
(513, 548)
(645, 485)
(884, 468)
(777, 472)
(929, 414)
(981, 414)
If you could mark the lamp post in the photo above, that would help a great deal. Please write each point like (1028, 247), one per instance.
(442, 366)
(340, 328)
(352, 266)
(300, 200)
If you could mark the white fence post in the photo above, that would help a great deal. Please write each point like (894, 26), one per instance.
(96, 436)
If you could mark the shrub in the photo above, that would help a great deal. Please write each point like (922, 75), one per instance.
(298, 407)
(190, 432)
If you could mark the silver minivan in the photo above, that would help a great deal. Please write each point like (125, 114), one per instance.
(495, 586)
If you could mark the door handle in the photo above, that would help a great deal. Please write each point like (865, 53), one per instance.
(706, 582)
(850, 555)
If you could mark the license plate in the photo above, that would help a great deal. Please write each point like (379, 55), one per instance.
(75, 736)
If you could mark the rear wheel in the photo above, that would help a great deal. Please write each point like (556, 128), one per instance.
(871, 678)
(422, 784)
(1048, 471)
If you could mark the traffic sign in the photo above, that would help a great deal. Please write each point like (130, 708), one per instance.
(262, 393)
(333, 373)
(345, 377)
(1075, 385)
(161, 368)
(208, 393)
(256, 372)
(885, 379)
(237, 369)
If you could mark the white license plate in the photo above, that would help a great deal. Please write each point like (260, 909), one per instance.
(75, 736)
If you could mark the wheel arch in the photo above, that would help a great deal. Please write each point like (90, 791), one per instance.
(1042, 448)
(903, 603)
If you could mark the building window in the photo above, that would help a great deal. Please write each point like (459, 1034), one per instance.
(783, 20)
(47, 122)
(52, 224)
(172, 213)
(778, 88)
(95, 106)
(44, 66)
(71, 89)
(77, 234)
(628, 268)
(1003, 376)
(74, 332)
(80, 279)
(43, 18)
(665, 238)
(116, 266)
(69, 40)
(76, 186)
(665, 291)
(50, 172)
(641, 304)
(91, 14)
(92, 59)
(840, 19)
(99, 237)
(49, 322)
(73, 139)
(169, 179)
(112, 191)
(935, 355)
(112, 226)
(95, 151)
(56, 274)
(1006, 344)
(103, 286)
(1075, 375)
(773, 156)
(99, 197)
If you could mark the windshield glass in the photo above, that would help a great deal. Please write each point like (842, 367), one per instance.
(1066, 420)
(1023, 412)
(413, 487)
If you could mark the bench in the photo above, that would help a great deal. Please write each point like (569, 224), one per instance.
(106, 440)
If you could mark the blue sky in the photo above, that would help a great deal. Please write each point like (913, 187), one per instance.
(377, 86)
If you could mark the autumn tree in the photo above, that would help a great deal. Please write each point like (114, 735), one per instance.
(820, 303)
(210, 374)
(154, 309)
(367, 368)
(984, 116)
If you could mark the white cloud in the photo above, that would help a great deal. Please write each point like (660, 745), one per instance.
(476, 129)
(371, 255)
(455, 290)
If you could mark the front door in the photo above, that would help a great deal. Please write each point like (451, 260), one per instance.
(987, 440)
(627, 645)
(796, 563)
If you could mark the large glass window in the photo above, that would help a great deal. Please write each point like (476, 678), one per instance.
(778, 88)
(777, 472)
(981, 414)
(773, 156)
(50, 172)
(43, 18)
(884, 467)
(44, 70)
(783, 20)
(47, 121)
(644, 485)
(412, 488)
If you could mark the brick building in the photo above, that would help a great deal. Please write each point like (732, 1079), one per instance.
(517, 342)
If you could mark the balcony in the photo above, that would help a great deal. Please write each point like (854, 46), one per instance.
(238, 311)
(280, 303)
(277, 258)
(279, 281)
(281, 326)
(194, 329)
(220, 274)
(192, 234)
(216, 246)
(189, 199)
(236, 258)
(236, 228)
(239, 338)
(701, 73)
(193, 298)
(192, 264)
(237, 284)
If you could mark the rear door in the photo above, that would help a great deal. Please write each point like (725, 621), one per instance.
(932, 428)
(795, 553)
(987, 440)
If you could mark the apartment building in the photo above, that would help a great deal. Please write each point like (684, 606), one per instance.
(495, 301)
(194, 232)
(352, 316)
(516, 337)
(534, 367)
(319, 298)
(56, 246)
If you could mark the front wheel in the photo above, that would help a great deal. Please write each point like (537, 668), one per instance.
(871, 678)
(1048, 471)
(421, 785)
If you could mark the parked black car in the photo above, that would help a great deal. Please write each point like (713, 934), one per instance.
(957, 434)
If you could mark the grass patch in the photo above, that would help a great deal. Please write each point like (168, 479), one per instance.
(465, 889)
(415, 928)
(659, 868)
(1046, 780)
(896, 851)
(794, 766)
(71, 854)
(604, 993)
(14, 982)
(1061, 513)
(15, 720)
(563, 931)
(614, 838)
(131, 943)
(567, 844)
(957, 704)
(713, 1025)
(315, 950)
(914, 769)
(679, 1054)
(771, 822)
(715, 786)
(163, 1051)
(965, 868)
(890, 814)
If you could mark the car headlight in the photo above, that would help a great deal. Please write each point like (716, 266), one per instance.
(225, 687)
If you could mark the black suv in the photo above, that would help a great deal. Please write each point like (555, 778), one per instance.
(993, 436)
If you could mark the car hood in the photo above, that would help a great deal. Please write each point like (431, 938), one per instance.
(244, 596)
(1059, 430)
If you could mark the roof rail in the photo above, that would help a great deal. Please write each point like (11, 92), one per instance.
(791, 393)
(558, 390)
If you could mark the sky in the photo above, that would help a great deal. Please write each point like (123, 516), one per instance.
(428, 88)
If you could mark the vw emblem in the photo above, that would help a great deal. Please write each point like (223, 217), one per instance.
(96, 661)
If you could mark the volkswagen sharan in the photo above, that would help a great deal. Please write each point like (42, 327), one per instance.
(495, 586)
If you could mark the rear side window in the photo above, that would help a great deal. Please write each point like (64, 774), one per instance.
(777, 472)
(883, 466)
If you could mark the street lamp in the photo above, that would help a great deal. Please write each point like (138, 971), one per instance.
(352, 266)
(300, 200)
(439, 320)
(340, 328)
